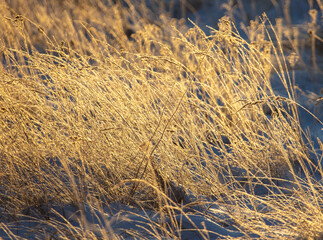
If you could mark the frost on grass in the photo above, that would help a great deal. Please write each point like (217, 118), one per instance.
(166, 133)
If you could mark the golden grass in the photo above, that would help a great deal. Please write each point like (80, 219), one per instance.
(91, 116)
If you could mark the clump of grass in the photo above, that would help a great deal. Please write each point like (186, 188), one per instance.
(92, 116)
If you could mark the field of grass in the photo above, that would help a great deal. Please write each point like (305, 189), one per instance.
(117, 124)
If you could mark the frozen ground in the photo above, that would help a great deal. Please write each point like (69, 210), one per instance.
(309, 93)
(211, 221)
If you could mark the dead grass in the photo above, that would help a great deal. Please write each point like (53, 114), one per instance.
(92, 116)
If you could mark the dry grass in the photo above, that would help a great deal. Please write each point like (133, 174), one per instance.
(92, 116)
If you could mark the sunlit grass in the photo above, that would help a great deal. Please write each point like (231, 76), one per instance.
(91, 116)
